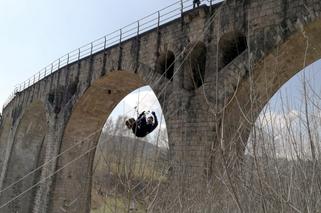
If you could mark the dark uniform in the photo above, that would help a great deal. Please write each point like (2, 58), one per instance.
(196, 2)
(141, 128)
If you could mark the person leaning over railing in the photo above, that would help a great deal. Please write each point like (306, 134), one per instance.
(196, 2)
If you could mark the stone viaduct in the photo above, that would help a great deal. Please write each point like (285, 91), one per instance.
(229, 59)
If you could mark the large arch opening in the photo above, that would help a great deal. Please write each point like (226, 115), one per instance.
(116, 171)
(256, 159)
(26, 155)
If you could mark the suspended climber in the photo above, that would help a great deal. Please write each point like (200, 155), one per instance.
(144, 124)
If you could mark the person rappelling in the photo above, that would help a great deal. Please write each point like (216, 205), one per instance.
(143, 125)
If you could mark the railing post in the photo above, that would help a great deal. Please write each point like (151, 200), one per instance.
(51, 68)
(120, 35)
(182, 7)
(78, 54)
(138, 28)
(39, 76)
(68, 59)
(105, 40)
(158, 19)
(91, 48)
(45, 72)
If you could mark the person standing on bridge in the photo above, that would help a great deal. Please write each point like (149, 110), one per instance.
(143, 125)
(196, 2)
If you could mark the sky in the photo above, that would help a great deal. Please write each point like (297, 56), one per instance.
(141, 99)
(33, 33)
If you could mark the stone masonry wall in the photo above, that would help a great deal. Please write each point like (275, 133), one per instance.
(195, 117)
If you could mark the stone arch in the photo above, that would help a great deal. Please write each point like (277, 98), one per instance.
(231, 45)
(270, 73)
(72, 188)
(166, 63)
(194, 71)
(26, 155)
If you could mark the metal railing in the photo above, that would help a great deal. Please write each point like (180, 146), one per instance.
(129, 31)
